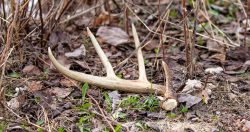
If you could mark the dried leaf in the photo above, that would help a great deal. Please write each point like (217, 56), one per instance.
(17, 102)
(191, 85)
(68, 82)
(77, 52)
(189, 99)
(35, 86)
(220, 57)
(31, 70)
(112, 35)
(215, 46)
(61, 92)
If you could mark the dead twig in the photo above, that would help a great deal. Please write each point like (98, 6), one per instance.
(103, 115)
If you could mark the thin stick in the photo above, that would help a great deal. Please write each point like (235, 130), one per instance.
(41, 19)
(80, 14)
(105, 118)
(181, 28)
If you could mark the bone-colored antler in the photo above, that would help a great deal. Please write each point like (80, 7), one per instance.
(111, 81)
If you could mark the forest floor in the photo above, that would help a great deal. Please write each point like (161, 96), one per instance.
(214, 97)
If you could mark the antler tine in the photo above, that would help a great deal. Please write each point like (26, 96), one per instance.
(103, 57)
(171, 101)
(141, 65)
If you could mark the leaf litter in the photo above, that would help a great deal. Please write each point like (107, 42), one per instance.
(227, 70)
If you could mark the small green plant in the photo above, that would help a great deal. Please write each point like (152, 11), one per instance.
(84, 122)
(213, 12)
(118, 128)
(40, 122)
(84, 90)
(151, 103)
(184, 109)
(171, 115)
(119, 115)
(39, 130)
(60, 129)
(108, 102)
(131, 102)
(146, 61)
(200, 40)
(2, 126)
(215, 117)
(14, 74)
(156, 50)
(120, 75)
(173, 14)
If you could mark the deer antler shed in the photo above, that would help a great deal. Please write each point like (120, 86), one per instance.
(111, 81)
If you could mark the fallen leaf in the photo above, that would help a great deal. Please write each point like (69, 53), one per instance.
(103, 19)
(35, 86)
(112, 35)
(191, 85)
(151, 44)
(77, 52)
(220, 57)
(61, 92)
(215, 46)
(84, 21)
(16, 102)
(68, 82)
(190, 100)
(31, 70)
(239, 53)
(215, 70)
(59, 37)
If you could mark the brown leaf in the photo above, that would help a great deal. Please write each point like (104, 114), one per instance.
(35, 86)
(77, 52)
(189, 99)
(68, 82)
(16, 102)
(220, 57)
(31, 70)
(151, 44)
(113, 35)
(215, 46)
(240, 53)
(61, 92)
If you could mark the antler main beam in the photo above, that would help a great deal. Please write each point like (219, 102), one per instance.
(111, 81)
